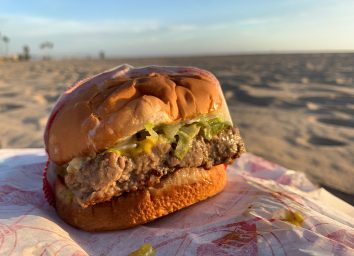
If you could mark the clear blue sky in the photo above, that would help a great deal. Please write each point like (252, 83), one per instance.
(155, 28)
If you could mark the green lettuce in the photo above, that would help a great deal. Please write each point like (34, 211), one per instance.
(181, 133)
(185, 135)
(170, 131)
(212, 126)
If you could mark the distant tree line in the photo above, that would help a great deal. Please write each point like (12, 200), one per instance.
(25, 55)
(45, 47)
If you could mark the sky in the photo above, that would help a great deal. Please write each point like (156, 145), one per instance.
(175, 28)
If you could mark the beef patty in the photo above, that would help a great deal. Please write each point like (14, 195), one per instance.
(110, 174)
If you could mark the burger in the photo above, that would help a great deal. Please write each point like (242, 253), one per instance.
(131, 145)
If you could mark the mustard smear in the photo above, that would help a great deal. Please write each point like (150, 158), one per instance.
(144, 250)
(295, 218)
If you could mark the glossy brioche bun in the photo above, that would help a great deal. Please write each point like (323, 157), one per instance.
(95, 113)
(178, 190)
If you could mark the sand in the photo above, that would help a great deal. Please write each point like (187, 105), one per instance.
(295, 110)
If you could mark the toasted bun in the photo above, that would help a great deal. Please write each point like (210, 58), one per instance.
(178, 190)
(95, 113)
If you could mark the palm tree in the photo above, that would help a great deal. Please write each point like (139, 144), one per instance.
(26, 52)
(46, 45)
(0, 44)
(6, 40)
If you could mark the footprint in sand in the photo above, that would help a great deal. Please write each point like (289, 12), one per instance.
(38, 98)
(9, 106)
(247, 98)
(229, 94)
(337, 122)
(325, 141)
(299, 141)
(38, 122)
(51, 98)
(8, 94)
(317, 109)
(312, 106)
(311, 119)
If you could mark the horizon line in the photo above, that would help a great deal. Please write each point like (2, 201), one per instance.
(191, 55)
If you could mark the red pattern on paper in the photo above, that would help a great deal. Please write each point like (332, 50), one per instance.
(246, 219)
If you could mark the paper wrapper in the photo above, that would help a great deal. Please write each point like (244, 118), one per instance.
(265, 209)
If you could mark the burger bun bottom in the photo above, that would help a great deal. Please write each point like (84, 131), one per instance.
(178, 190)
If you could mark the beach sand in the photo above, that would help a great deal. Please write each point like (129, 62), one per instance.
(295, 110)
